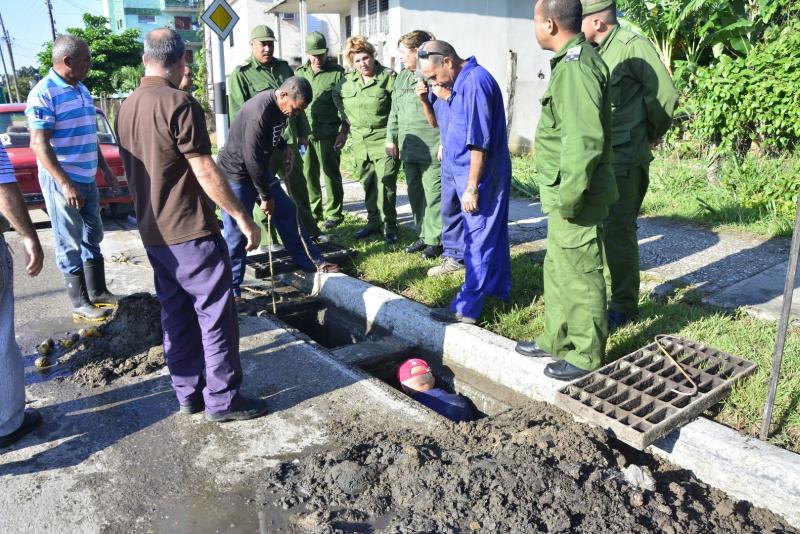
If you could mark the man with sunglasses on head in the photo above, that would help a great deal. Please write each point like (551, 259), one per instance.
(476, 165)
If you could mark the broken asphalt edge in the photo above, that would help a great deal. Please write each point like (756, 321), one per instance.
(743, 467)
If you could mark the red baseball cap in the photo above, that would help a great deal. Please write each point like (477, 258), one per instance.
(411, 368)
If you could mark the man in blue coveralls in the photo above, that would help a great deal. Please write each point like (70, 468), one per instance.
(476, 159)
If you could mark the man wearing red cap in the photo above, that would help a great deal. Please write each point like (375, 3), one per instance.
(416, 379)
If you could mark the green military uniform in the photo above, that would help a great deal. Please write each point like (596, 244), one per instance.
(576, 183)
(366, 107)
(250, 78)
(325, 125)
(418, 141)
(643, 99)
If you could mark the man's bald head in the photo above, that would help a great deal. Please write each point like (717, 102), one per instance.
(436, 51)
(164, 47)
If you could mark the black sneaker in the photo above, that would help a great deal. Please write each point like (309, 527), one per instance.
(432, 252)
(245, 409)
(30, 422)
(330, 225)
(416, 246)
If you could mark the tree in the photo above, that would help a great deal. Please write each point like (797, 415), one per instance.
(26, 79)
(126, 79)
(110, 52)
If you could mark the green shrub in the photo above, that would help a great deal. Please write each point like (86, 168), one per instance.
(755, 98)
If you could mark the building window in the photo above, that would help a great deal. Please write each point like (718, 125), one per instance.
(348, 26)
(147, 19)
(287, 16)
(372, 7)
(119, 24)
(362, 17)
(384, 14)
(183, 23)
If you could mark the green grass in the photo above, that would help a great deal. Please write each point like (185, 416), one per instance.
(756, 195)
(522, 318)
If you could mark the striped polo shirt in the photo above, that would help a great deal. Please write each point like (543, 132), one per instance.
(6, 170)
(68, 110)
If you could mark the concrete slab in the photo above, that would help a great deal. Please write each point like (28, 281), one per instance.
(761, 295)
(120, 459)
(743, 467)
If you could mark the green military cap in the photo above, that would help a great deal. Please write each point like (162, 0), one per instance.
(262, 33)
(593, 6)
(315, 44)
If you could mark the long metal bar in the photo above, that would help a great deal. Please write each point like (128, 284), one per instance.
(220, 98)
(783, 326)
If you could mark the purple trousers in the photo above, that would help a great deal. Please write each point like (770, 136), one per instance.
(198, 315)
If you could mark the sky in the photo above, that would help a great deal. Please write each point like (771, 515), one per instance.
(29, 26)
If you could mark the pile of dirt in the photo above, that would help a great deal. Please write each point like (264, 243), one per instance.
(129, 344)
(532, 469)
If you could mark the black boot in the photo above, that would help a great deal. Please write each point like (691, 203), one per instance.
(96, 283)
(82, 307)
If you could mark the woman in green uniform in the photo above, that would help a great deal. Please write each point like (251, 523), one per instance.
(415, 142)
(364, 100)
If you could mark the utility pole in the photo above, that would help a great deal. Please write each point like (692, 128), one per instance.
(5, 71)
(49, 5)
(10, 56)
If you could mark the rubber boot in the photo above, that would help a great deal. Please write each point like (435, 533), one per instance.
(82, 307)
(95, 272)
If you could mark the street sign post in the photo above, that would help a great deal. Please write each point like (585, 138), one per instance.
(221, 18)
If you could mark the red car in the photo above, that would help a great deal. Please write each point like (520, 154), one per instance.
(16, 139)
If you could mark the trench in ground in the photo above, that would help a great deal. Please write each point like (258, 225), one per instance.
(377, 353)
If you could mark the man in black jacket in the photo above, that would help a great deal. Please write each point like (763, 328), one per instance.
(256, 132)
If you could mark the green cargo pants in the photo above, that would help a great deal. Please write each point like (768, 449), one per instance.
(295, 185)
(621, 242)
(424, 182)
(378, 176)
(321, 157)
(575, 317)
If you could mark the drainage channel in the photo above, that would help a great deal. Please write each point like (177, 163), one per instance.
(376, 353)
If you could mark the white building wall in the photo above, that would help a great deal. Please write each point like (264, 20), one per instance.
(487, 29)
(289, 47)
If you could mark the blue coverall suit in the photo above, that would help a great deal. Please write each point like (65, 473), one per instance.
(474, 117)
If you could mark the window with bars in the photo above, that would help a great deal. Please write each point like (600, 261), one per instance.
(372, 7)
(384, 15)
(362, 17)
(373, 17)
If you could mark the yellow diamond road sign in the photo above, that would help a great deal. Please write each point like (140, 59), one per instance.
(220, 17)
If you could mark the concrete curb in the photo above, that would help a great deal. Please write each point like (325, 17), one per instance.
(743, 467)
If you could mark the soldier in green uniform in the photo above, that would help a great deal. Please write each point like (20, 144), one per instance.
(643, 99)
(324, 74)
(364, 100)
(576, 183)
(260, 72)
(410, 138)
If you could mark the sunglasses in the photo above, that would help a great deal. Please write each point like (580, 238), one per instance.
(425, 54)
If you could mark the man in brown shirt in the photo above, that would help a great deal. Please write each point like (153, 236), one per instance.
(173, 180)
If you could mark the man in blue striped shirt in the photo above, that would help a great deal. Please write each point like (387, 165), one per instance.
(63, 126)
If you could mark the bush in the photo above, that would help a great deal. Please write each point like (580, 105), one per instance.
(752, 99)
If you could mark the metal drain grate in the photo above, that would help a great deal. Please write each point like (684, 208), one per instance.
(258, 264)
(638, 397)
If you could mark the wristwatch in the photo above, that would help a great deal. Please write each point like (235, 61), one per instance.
(472, 190)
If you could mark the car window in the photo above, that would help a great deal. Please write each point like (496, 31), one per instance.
(14, 130)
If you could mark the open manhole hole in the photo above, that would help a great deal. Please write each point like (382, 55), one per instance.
(258, 264)
(486, 398)
(642, 396)
(329, 326)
